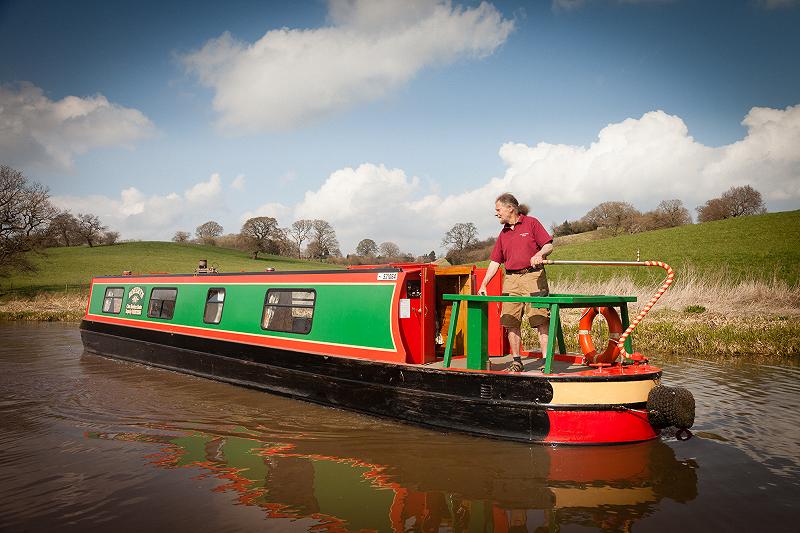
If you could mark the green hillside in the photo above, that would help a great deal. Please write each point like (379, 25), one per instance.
(75, 266)
(759, 247)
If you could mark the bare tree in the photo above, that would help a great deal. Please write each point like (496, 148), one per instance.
(207, 232)
(735, 202)
(261, 234)
(645, 222)
(286, 247)
(298, 233)
(389, 249)
(714, 209)
(63, 229)
(36, 210)
(90, 228)
(25, 212)
(110, 237)
(367, 248)
(668, 214)
(744, 201)
(181, 236)
(232, 240)
(461, 236)
(671, 213)
(616, 216)
(323, 242)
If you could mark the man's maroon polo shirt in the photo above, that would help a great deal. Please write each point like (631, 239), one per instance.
(516, 245)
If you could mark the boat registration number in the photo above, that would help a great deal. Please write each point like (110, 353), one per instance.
(387, 276)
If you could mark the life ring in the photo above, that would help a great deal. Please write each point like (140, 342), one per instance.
(585, 335)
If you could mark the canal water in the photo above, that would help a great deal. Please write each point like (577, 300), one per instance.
(92, 444)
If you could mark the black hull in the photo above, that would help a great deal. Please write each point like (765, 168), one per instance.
(492, 405)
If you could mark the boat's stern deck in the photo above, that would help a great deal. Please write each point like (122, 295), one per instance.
(534, 365)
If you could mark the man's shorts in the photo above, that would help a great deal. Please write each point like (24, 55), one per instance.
(524, 284)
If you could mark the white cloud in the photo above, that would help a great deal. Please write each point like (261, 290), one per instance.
(205, 192)
(350, 194)
(642, 161)
(633, 159)
(139, 216)
(35, 130)
(238, 182)
(370, 201)
(768, 158)
(291, 76)
(276, 210)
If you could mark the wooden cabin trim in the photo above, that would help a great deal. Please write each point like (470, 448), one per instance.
(454, 270)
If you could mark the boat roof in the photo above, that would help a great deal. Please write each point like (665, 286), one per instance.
(386, 268)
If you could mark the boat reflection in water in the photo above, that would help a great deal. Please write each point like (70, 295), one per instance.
(354, 484)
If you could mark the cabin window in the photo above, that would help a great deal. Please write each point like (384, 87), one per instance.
(162, 303)
(289, 310)
(112, 301)
(214, 301)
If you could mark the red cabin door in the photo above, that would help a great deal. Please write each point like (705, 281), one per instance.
(417, 322)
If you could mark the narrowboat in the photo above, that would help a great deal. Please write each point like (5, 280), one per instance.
(407, 341)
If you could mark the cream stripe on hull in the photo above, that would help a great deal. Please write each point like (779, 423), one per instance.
(601, 392)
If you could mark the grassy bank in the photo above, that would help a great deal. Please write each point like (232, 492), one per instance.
(57, 269)
(760, 248)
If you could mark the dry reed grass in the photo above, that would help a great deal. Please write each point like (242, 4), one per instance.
(713, 291)
(669, 332)
(49, 306)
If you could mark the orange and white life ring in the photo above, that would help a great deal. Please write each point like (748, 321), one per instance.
(585, 335)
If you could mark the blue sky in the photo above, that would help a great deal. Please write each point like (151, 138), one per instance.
(395, 120)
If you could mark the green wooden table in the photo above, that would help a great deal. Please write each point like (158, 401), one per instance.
(478, 322)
